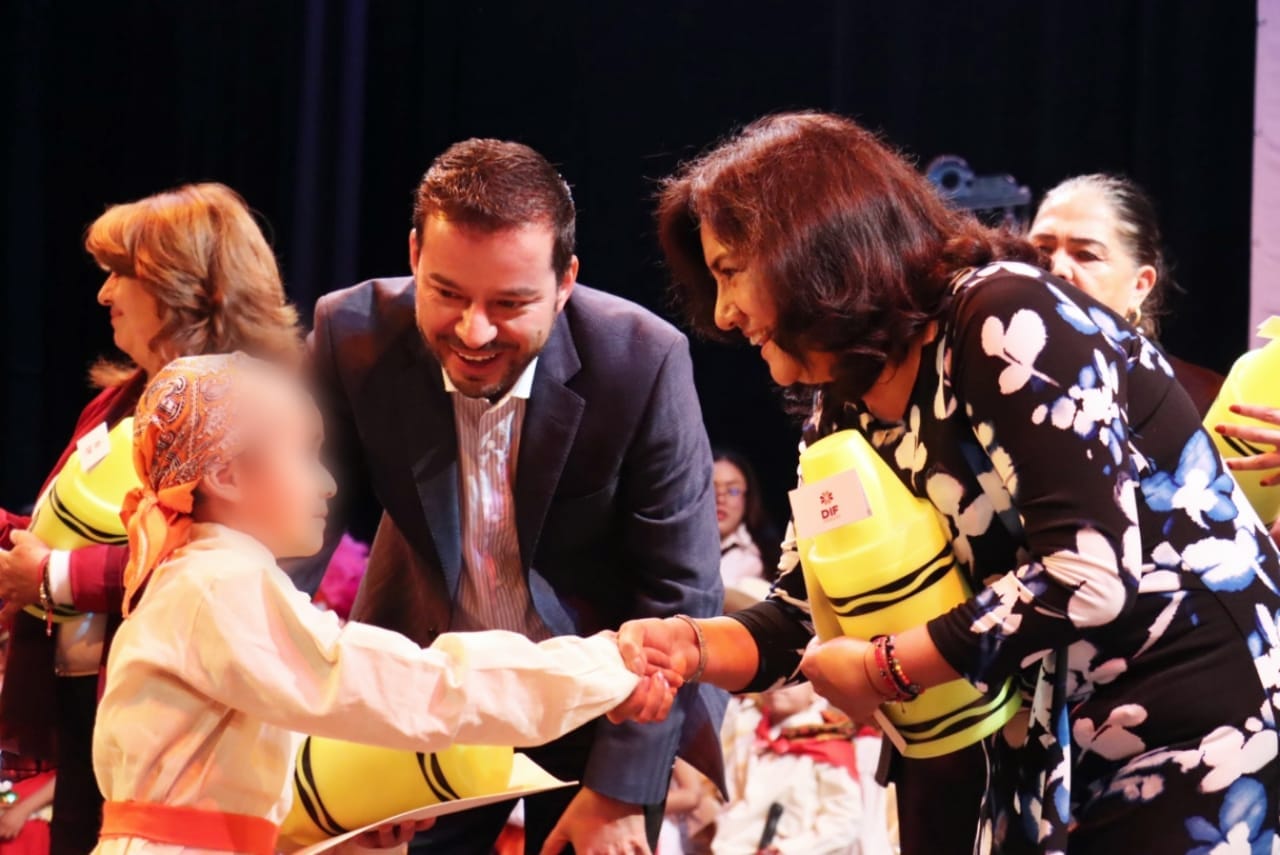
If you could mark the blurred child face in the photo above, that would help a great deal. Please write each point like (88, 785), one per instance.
(784, 703)
(278, 490)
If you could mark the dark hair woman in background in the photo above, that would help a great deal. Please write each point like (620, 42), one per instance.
(1101, 234)
(1113, 573)
(748, 541)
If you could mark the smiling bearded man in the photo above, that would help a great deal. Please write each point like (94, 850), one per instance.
(538, 449)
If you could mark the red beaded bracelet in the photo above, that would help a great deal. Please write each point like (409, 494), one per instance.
(898, 685)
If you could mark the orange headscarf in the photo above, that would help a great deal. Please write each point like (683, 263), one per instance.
(185, 427)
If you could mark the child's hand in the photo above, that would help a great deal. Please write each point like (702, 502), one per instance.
(1257, 436)
(650, 702)
(668, 645)
(12, 821)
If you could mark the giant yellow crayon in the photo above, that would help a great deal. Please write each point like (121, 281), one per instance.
(82, 505)
(341, 786)
(1254, 379)
(887, 571)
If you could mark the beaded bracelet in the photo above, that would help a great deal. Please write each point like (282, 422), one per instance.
(894, 678)
(46, 595)
(875, 676)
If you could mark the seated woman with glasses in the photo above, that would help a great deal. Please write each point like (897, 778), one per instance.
(748, 542)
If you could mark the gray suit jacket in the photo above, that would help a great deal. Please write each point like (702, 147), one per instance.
(614, 504)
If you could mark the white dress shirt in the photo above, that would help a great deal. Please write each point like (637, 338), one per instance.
(224, 659)
(493, 592)
(739, 558)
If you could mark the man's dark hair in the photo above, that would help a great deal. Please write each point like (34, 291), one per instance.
(494, 185)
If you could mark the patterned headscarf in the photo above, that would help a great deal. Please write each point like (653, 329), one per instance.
(185, 427)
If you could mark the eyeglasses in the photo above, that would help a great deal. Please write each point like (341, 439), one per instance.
(733, 492)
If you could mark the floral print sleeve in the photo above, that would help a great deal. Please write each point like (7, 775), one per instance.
(1046, 403)
(1117, 571)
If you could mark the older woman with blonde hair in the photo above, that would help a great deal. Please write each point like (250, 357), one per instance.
(188, 272)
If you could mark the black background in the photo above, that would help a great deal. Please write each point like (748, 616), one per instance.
(324, 115)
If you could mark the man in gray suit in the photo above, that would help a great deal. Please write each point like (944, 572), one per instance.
(538, 451)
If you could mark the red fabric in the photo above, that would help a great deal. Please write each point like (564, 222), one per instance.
(189, 827)
(832, 749)
(34, 837)
(510, 841)
(27, 709)
(97, 578)
(8, 522)
(1202, 384)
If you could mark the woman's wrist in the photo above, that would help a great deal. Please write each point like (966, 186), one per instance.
(698, 657)
(922, 659)
(689, 646)
(871, 672)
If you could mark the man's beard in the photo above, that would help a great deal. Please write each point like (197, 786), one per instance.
(443, 349)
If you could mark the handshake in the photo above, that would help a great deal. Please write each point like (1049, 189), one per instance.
(665, 654)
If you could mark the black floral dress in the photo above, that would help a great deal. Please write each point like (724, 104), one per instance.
(1120, 574)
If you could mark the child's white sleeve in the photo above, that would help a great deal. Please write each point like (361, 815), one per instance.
(259, 646)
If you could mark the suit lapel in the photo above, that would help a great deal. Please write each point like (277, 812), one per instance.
(550, 424)
(429, 442)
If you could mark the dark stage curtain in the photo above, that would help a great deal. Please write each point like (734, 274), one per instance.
(325, 113)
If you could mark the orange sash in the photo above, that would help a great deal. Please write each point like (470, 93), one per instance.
(191, 827)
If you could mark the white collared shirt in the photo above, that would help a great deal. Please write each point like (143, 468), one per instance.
(493, 592)
(739, 557)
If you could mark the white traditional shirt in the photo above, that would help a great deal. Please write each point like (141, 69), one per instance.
(224, 660)
(823, 811)
(493, 592)
(739, 558)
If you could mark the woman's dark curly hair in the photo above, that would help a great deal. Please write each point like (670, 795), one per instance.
(855, 246)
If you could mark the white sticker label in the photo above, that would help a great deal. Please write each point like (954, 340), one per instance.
(94, 447)
(828, 504)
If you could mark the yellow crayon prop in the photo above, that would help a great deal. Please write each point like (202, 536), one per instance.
(1254, 379)
(82, 505)
(886, 566)
(341, 786)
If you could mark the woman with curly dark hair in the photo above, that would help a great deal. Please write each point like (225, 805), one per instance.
(1118, 573)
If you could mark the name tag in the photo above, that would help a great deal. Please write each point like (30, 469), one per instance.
(828, 504)
(94, 447)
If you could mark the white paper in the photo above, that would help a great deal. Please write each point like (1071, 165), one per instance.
(828, 504)
(94, 447)
(527, 778)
